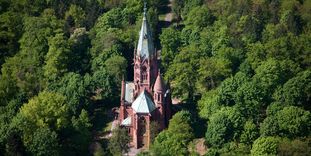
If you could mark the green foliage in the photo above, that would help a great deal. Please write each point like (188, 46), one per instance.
(81, 136)
(208, 105)
(174, 140)
(44, 142)
(101, 85)
(295, 91)
(294, 121)
(80, 42)
(225, 125)
(244, 64)
(170, 41)
(294, 147)
(289, 122)
(45, 110)
(57, 57)
(117, 66)
(212, 71)
(182, 73)
(75, 16)
(41, 118)
(177, 8)
(119, 141)
(10, 32)
(250, 133)
(199, 17)
(265, 146)
(75, 88)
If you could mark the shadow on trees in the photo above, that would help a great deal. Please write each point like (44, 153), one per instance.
(198, 124)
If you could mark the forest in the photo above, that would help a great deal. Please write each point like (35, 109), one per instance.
(241, 69)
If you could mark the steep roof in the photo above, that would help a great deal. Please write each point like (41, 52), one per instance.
(145, 47)
(143, 103)
(129, 91)
(127, 121)
(159, 83)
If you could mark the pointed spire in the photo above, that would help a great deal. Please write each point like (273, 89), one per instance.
(159, 83)
(145, 8)
(145, 47)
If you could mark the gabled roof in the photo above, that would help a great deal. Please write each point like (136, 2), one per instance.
(145, 47)
(126, 122)
(143, 103)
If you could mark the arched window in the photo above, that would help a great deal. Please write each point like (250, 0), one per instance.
(159, 97)
(144, 76)
(142, 125)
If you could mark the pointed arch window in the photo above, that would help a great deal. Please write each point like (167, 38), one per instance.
(144, 76)
(159, 97)
(142, 125)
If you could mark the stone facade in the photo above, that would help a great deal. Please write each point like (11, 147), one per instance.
(147, 99)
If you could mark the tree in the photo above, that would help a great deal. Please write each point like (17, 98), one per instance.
(41, 118)
(44, 142)
(10, 32)
(294, 121)
(223, 126)
(296, 91)
(251, 99)
(182, 73)
(105, 41)
(250, 133)
(152, 17)
(80, 54)
(294, 147)
(101, 85)
(212, 71)
(170, 41)
(227, 91)
(24, 70)
(111, 19)
(177, 7)
(79, 134)
(209, 104)
(119, 142)
(199, 17)
(75, 14)
(289, 122)
(174, 140)
(269, 127)
(57, 58)
(189, 5)
(75, 88)
(265, 146)
(272, 74)
(48, 109)
(117, 66)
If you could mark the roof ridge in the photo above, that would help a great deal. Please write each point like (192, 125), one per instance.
(143, 103)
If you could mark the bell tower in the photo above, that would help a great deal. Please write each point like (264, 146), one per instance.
(145, 59)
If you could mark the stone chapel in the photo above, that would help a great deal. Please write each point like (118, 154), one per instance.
(147, 99)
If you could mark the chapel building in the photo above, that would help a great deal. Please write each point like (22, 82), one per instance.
(147, 99)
